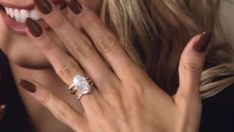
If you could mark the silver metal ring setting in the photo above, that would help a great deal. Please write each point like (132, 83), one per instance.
(81, 86)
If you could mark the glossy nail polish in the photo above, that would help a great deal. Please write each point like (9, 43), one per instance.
(2, 108)
(34, 28)
(44, 6)
(75, 6)
(202, 44)
(62, 4)
(28, 86)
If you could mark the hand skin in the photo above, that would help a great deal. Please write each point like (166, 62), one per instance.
(121, 102)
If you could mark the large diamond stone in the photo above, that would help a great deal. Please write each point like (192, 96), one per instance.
(81, 84)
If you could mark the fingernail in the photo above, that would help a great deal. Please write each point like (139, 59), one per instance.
(28, 86)
(2, 108)
(75, 6)
(43, 5)
(202, 44)
(62, 4)
(34, 28)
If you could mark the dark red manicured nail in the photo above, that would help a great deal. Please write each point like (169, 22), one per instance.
(62, 4)
(202, 44)
(34, 28)
(75, 6)
(28, 86)
(44, 6)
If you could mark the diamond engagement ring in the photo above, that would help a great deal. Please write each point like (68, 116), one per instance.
(81, 86)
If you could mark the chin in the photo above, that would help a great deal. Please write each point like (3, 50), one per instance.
(29, 60)
(30, 64)
(21, 51)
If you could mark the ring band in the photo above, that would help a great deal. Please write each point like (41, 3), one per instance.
(81, 86)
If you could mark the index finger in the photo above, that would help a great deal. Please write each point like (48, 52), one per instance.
(60, 109)
(104, 40)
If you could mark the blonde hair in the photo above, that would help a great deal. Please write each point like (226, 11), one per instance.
(155, 32)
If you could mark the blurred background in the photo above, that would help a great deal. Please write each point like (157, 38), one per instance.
(227, 19)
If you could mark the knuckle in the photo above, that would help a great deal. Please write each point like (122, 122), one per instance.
(191, 67)
(137, 88)
(45, 99)
(106, 44)
(83, 51)
(60, 112)
(139, 82)
(67, 71)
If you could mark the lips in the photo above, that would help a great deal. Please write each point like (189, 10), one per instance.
(15, 16)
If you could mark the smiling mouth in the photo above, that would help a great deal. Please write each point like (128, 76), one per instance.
(20, 14)
(14, 16)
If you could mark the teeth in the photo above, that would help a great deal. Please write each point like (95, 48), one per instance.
(34, 15)
(16, 15)
(7, 10)
(20, 15)
(11, 12)
(23, 15)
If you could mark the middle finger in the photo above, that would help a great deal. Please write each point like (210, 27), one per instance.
(76, 42)
(64, 65)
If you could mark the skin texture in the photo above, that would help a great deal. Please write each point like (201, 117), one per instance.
(17, 47)
(27, 62)
(121, 102)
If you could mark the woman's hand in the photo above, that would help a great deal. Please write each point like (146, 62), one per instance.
(125, 99)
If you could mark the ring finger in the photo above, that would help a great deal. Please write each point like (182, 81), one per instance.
(78, 45)
(63, 64)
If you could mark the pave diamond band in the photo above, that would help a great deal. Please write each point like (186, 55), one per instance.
(81, 86)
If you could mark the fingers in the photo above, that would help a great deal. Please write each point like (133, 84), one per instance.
(63, 64)
(62, 111)
(106, 43)
(80, 45)
(71, 16)
(77, 43)
(187, 98)
(191, 65)
(2, 111)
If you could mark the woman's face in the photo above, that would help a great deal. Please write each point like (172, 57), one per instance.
(17, 46)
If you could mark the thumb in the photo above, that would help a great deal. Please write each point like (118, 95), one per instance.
(191, 65)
